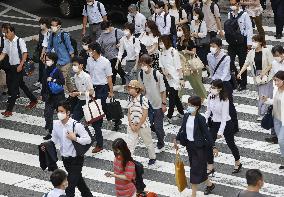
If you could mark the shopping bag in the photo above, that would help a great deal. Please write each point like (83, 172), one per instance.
(114, 110)
(181, 180)
(92, 110)
(267, 121)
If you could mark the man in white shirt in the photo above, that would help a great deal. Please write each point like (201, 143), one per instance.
(65, 131)
(16, 49)
(239, 42)
(162, 20)
(145, 7)
(93, 12)
(138, 19)
(101, 74)
(58, 178)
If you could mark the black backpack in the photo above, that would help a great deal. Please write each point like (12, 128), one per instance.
(138, 182)
(99, 8)
(143, 49)
(154, 74)
(73, 42)
(232, 30)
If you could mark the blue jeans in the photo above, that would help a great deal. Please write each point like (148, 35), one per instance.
(78, 114)
(279, 130)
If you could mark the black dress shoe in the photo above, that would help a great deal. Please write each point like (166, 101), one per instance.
(273, 140)
(281, 168)
(47, 137)
(209, 189)
(278, 37)
(238, 169)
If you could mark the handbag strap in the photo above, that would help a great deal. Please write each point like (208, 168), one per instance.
(219, 63)
(53, 72)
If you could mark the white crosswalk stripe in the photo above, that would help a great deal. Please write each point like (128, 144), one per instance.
(21, 133)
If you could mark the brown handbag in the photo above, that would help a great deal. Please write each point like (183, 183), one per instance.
(181, 180)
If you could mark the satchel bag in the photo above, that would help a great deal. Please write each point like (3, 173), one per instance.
(267, 121)
(181, 180)
(29, 65)
(114, 110)
(82, 149)
(195, 63)
(92, 110)
(54, 87)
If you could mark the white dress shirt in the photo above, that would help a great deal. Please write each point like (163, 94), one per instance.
(11, 49)
(55, 193)
(59, 133)
(276, 66)
(170, 61)
(46, 37)
(220, 111)
(202, 31)
(245, 25)
(165, 29)
(190, 128)
(149, 40)
(93, 13)
(83, 83)
(131, 47)
(99, 70)
(139, 22)
(223, 72)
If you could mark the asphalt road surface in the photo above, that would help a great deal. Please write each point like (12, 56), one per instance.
(21, 176)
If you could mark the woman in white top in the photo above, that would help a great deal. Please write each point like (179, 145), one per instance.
(198, 30)
(278, 110)
(169, 61)
(220, 123)
(150, 39)
(260, 60)
(177, 12)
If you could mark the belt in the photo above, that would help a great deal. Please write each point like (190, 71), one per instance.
(130, 60)
(71, 158)
(99, 86)
(96, 23)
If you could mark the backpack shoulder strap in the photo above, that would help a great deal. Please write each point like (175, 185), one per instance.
(141, 99)
(116, 37)
(2, 41)
(45, 195)
(74, 124)
(63, 40)
(240, 14)
(155, 75)
(165, 19)
(212, 7)
(179, 14)
(19, 49)
(221, 60)
(155, 17)
(99, 7)
(133, 39)
(141, 75)
(53, 72)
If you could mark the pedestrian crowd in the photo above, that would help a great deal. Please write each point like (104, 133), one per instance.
(164, 45)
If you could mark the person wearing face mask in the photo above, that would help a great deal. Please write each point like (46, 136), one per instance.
(138, 122)
(198, 30)
(155, 92)
(16, 50)
(162, 19)
(131, 45)
(42, 44)
(145, 7)
(260, 59)
(239, 41)
(150, 39)
(51, 99)
(278, 63)
(123, 169)
(278, 111)
(194, 135)
(170, 65)
(178, 12)
(58, 178)
(93, 12)
(186, 46)
(65, 130)
(138, 19)
(86, 40)
(219, 67)
(64, 51)
(220, 124)
(109, 41)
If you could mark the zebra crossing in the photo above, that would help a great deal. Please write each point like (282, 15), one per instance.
(21, 175)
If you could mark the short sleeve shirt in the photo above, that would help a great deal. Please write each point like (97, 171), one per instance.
(210, 18)
(11, 49)
(83, 83)
(175, 13)
(93, 13)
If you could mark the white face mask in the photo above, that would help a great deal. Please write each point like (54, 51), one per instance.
(54, 29)
(214, 91)
(42, 26)
(49, 62)
(61, 116)
(145, 68)
(90, 3)
(278, 59)
(75, 69)
(179, 34)
(213, 50)
(162, 46)
(254, 45)
(85, 47)
(126, 32)
(195, 17)
(233, 7)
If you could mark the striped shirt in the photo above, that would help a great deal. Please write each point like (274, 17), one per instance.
(136, 110)
(124, 188)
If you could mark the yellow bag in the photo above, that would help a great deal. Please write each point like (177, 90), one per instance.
(181, 180)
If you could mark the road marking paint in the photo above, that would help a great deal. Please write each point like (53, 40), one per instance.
(18, 17)
(20, 11)
(5, 11)
(16, 23)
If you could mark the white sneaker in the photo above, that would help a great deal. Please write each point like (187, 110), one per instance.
(159, 150)
(259, 118)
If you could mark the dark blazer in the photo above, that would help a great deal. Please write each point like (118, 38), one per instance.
(201, 134)
(48, 158)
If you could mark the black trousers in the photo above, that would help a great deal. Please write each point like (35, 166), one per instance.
(41, 68)
(174, 101)
(73, 166)
(229, 137)
(232, 110)
(278, 21)
(119, 71)
(241, 52)
(15, 81)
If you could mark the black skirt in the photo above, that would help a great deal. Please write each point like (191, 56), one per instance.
(198, 163)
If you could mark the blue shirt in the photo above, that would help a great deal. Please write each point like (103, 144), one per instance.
(63, 50)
